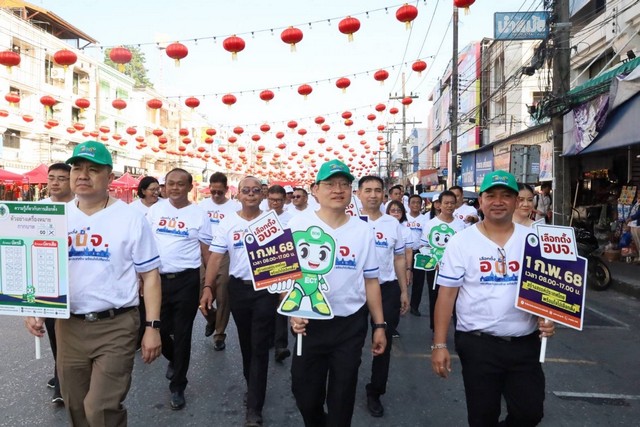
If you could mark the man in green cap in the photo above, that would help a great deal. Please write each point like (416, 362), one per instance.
(498, 344)
(110, 244)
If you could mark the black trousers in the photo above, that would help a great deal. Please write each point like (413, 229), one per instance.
(418, 285)
(380, 365)
(433, 294)
(50, 325)
(282, 331)
(254, 315)
(493, 367)
(328, 369)
(180, 299)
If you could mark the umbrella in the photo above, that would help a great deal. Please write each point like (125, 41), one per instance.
(38, 175)
(125, 181)
(7, 176)
(470, 194)
(429, 194)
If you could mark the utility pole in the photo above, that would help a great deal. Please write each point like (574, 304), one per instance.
(453, 116)
(561, 75)
(404, 150)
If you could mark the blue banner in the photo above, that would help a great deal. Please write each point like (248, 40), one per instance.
(484, 164)
(468, 173)
(520, 25)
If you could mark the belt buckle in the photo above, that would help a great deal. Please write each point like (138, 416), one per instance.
(91, 317)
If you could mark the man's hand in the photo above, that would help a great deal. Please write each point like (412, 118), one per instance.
(546, 327)
(151, 345)
(299, 325)
(206, 300)
(404, 302)
(379, 342)
(441, 362)
(283, 286)
(35, 326)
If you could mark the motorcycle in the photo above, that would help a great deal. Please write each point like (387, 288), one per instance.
(598, 273)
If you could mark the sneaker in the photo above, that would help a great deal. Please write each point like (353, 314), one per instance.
(219, 345)
(51, 383)
(374, 405)
(281, 354)
(57, 398)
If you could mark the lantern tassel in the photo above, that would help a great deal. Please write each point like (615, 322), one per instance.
(177, 62)
(121, 68)
(407, 25)
(234, 56)
(466, 10)
(293, 47)
(350, 37)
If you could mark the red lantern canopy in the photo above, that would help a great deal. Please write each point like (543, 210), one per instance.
(238, 130)
(211, 132)
(266, 95)
(406, 101)
(280, 135)
(119, 104)
(291, 36)
(121, 56)
(229, 99)
(348, 26)
(419, 66)
(131, 131)
(292, 124)
(255, 137)
(192, 102)
(325, 128)
(177, 51)
(48, 101)
(305, 90)
(158, 132)
(371, 117)
(9, 59)
(319, 120)
(12, 98)
(381, 76)
(343, 83)
(463, 4)
(406, 14)
(265, 127)
(65, 57)
(234, 45)
(380, 108)
(154, 104)
(183, 132)
(393, 110)
(82, 103)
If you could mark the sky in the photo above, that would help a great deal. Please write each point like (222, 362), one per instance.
(321, 57)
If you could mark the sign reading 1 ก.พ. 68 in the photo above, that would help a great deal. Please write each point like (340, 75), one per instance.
(553, 277)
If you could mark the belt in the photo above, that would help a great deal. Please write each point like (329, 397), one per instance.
(107, 314)
(237, 279)
(501, 339)
(172, 276)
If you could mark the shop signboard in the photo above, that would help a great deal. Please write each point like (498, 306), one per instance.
(525, 162)
(468, 169)
(484, 164)
(520, 25)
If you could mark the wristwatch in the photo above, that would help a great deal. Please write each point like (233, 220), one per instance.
(155, 324)
(382, 325)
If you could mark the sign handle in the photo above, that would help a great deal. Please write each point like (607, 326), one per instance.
(543, 345)
(38, 352)
(299, 345)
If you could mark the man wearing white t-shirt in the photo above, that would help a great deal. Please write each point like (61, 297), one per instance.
(300, 202)
(468, 214)
(218, 207)
(182, 233)
(332, 349)
(415, 222)
(498, 345)
(110, 244)
(253, 311)
(390, 252)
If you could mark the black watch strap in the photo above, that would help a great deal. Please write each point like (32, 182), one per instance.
(382, 325)
(155, 324)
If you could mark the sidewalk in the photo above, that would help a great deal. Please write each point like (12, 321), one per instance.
(626, 278)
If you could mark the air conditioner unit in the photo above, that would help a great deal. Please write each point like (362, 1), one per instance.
(57, 73)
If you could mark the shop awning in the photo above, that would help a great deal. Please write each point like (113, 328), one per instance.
(621, 128)
(599, 84)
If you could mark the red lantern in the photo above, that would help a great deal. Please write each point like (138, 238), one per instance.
(302, 132)
(406, 101)
(121, 56)
(291, 36)
(131, 131)
(325, 128)
(177, 51)
(94, 133)
(211, 132)
(319, 120)
(238, 130)
(65, 57)
(192, 102)
(381, 76)
(82, 103)
(305, 90)
(292, 124)
(208, 140)
(186, 140)
(361, 132)
(27, 118)
(348, 26)
(9, 59)
(393, 110)
(261, 148)
(255, 137)
(201, 149)
(229, 99)
(71, 130)
(463, 4)
(419, 66)
(282, 146)
(322, 141)
(139, 138)
(300, 144)
(116, 136)
(158, 132)
(280, 135)
(406, 14)
(348, 122)
(154, 104)
(380, 108)
(343, 83)
(380, 128)
(123, 143)
(371, 117)
(234, 45)
(12, 98)
(266, 95)
(183, 132)
(78, 126)
(346, 115)
(240, 149)
(265, 128)
(48, 101)
(341, 137)
(163, 140)
(53, 123)
(119, 104)
(104, 129)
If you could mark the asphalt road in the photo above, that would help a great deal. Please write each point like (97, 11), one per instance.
(593, 379)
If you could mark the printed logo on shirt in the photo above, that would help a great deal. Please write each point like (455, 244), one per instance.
(86, 246)
(238, 239)
(414, 225)
(215, 217)
(498, 271)
(345, 259)
(381, 241)
(172, 226)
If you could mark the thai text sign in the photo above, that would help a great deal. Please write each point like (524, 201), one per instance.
(520, 25)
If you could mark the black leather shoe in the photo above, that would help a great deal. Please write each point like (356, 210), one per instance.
(374, 405)
(254, 419)
(281, 354)
(415, 312)
(209, 329)
(219, 345)
(177, 400)
(170, 372)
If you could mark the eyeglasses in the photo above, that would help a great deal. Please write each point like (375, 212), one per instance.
(297, 197)
(502, 260)
(342, 185)
(254, 190)
(153, 189)
(219, 192)
(57, 179)
(275, 200)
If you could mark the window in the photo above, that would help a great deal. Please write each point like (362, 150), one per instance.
(75, 114)
(11, 139)
(48, 66)
(122, 94)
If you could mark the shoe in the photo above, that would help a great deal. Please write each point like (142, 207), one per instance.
(254, 419)
(395, 333)
(415, 312)
(209, 329)
(374, 405)
(219, 345)
(57, 398)
(170, 372)
(177, 400)
(51, 383)
(281, 354)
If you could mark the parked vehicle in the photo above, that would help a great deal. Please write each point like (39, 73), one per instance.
(598, 273)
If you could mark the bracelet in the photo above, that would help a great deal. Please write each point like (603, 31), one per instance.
(438, 346)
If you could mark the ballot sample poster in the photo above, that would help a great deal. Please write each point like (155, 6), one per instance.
(34, 279)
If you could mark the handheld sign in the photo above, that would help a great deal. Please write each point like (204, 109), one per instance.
(271, 252)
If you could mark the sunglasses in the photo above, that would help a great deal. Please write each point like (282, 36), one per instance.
(218, 192)
(297, 197)
(254, 190)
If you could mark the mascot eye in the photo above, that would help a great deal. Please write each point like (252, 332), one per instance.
(323, 255)
(304, 252)
(446, 239)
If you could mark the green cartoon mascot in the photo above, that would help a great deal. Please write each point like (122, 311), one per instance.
(438, 239)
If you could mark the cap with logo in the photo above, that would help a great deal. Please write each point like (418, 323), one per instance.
(288, 189)
(333, 167)
(501, 178)
(92, 151)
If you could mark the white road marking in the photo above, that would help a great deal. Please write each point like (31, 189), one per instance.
(597, 395)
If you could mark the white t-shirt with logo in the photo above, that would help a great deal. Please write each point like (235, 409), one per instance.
(355, 260)
(106, 251)
(217, 212)
(389, 241)
(415, 225)
(464, 211)
(433, 226)
(178, 233)
(139, 206)
(229, 237)
(488, 285)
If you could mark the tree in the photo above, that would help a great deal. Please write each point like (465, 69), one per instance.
(135, 68)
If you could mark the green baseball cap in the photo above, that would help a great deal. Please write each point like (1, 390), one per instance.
(499, 177)
(93, 151)
(332, 167)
